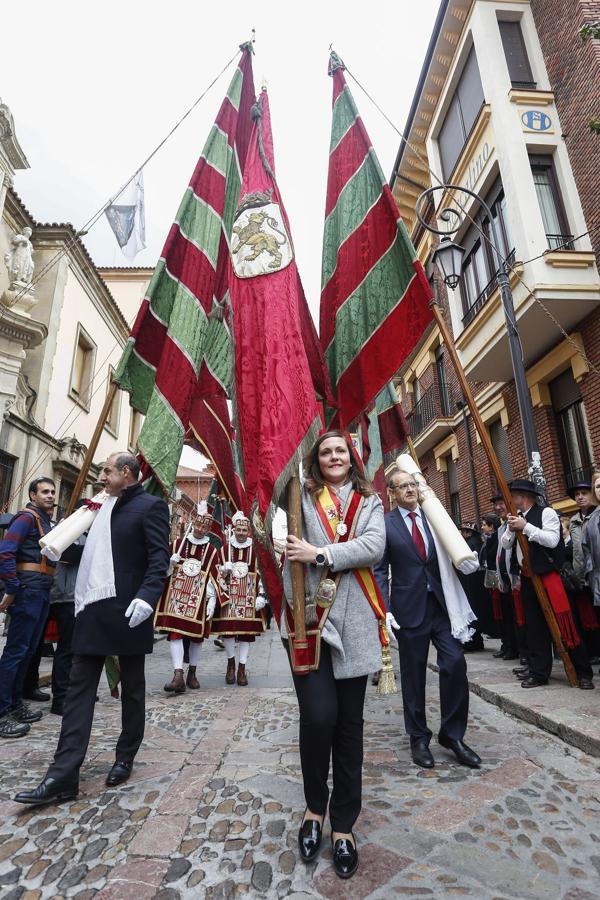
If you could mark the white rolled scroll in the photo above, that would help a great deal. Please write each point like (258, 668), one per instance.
(66, 532)
(445, 530)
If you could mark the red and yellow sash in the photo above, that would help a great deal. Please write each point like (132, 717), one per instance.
(330, 513)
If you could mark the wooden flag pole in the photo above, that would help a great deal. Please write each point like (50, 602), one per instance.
(294, 524)
(499, 474)
(91, 450)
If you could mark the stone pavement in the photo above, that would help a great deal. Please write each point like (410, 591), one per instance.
(571, 714)
(214, 803)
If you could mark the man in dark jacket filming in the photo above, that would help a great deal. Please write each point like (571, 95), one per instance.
(120, 579)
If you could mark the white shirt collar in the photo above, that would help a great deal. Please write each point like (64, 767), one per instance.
(406, 512)
(240, 545)
(195, 540)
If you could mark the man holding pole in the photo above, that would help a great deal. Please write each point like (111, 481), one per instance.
(189, 599)
(120, 579)
(541, 528)
(241, 599)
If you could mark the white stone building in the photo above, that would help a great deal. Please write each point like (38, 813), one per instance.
(61, 335)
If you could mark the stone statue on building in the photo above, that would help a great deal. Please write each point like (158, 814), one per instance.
(19, 261)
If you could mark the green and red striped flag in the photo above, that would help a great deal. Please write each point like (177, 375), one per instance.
(382, 431)
(374, 293)
(176, 345)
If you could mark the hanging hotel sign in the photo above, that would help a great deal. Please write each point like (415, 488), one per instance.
(535, 120)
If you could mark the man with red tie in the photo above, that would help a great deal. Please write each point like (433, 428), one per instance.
(418, 616)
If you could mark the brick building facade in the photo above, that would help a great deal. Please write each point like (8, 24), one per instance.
(523, 88)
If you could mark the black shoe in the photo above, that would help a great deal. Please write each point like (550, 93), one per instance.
(473, 647)
(345, 858)
(119, 773)
(37, 695)
(499, 654)
(520, 670)
(24, 713)
(309, 839)
(219, 643)
(510, 656)
(464, 754)
(57, 708)
(10, 728)
(48, 791)
(585, 684)
(421, 754)
(524, 661)
(523, 674)
(533, 681)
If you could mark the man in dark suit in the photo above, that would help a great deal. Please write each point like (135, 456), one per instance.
(418, 616)
(121, 578)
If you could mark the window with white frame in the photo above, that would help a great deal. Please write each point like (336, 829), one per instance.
(461, 115)
(112, 419)
(550, 202)
(135, 426)
(82, 370)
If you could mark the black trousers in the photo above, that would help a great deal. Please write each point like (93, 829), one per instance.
(539, 639)
(64, 616)
(331, 728)
(78, 713)
(413, 645)
(508, 627)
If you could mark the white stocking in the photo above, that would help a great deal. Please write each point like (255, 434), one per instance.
(176, 648)
(244, 650)
(229, 646)
(195, 654)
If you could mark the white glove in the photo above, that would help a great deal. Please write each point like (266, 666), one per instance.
(139, 611)
(227, 567)
(176, 558)
(469, 565)
(391, 624)
(261, 602)
(210, 607)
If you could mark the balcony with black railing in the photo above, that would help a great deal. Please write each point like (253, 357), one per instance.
(486, 293)
(575, 476)
(561, 241)
(429, 420)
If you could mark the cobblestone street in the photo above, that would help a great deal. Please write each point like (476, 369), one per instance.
(214, 803)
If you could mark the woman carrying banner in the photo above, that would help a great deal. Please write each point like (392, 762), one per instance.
(344, 536)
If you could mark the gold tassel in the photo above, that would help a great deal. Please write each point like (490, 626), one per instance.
(387, 682)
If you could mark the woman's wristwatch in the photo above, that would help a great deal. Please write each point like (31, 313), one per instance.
(320, 558)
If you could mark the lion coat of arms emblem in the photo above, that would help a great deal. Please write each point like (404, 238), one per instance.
(260, 242)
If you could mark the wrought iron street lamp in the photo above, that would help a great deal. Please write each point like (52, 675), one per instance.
(448, 256)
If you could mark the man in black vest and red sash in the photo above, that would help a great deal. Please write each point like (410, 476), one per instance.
(241, 599)
(189, 599)
(541, 527)
(27, 578)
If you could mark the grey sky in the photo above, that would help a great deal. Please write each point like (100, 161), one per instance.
(93, 88)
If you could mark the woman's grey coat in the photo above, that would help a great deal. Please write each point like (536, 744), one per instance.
(591, 554)
(351, 629)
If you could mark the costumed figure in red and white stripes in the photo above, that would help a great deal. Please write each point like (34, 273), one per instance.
(241, 599)
(190, 597)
